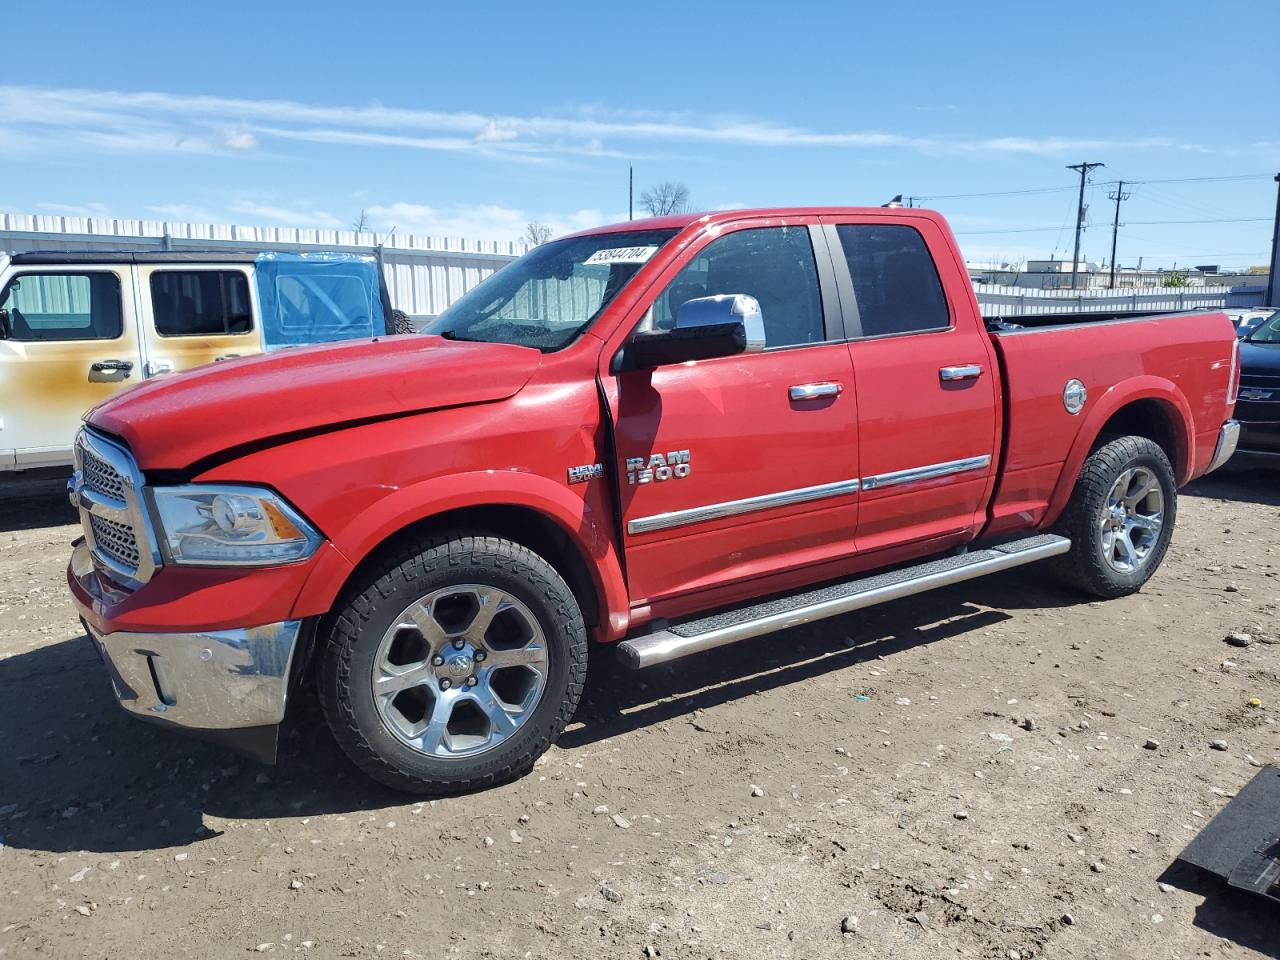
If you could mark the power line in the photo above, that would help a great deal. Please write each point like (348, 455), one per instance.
(1126, 223)
(1241, 176)
(1096, 184)
(1219, 220)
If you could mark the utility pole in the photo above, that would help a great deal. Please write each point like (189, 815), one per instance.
(1084, 169)
(631, 193)
(1273, 286)
(1115, 228)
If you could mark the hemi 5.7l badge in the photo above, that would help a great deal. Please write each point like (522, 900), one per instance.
(658, 467)
(588, 471)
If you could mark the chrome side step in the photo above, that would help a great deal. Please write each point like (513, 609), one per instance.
(706, 633)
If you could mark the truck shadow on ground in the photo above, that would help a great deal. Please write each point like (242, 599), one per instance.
(29, 501)
(1241, 486)
(78, 773)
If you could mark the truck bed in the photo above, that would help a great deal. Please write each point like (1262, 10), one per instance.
(1071, 318)
(1191, 351)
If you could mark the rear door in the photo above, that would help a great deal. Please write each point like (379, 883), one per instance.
(927, 382)
(195, 314)
(72, 342)
(739, 467)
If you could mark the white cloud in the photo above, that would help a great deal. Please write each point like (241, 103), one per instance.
(184, 213)
(492, 133)
(98, 210)
(161, 121)
(269, 214)
(238, 139)
(479, 221)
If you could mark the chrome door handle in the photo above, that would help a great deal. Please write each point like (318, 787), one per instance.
(967, 371)
(815, 391)
(113, 366)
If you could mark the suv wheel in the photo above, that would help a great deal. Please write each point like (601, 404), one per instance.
(455, 667)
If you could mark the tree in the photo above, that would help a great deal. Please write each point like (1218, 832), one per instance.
(667, 197)
(1175, 278)
(361, 223)
(536, 234)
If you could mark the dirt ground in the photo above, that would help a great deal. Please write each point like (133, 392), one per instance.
(963, 774)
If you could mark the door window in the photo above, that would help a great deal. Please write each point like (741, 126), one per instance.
(773, 264)
(191, 303)
(894, 280)
(63, 306)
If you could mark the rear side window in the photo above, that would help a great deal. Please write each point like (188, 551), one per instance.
(63, 306)
(894, 280)
(194, 303)
(773, 264)
(317, 307)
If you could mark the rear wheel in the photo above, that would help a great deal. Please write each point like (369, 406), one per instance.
(455, 667)
(1120, 518)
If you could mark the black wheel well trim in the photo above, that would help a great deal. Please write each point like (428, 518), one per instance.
(527, 526)
(1156, 420)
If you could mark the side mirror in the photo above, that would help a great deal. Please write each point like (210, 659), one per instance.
(4, 325)
(705, 328)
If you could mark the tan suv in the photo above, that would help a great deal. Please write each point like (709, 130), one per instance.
(76, 328)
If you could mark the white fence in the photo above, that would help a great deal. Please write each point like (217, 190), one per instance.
(424, 274)
(1000, 301)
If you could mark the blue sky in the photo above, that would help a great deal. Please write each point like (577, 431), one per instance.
(472, 119)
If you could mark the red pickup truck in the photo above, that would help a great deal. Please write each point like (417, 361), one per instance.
(667, 434)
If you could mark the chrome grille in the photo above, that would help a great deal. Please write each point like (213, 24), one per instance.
(116, 540)
(107, 488)
(100, 476)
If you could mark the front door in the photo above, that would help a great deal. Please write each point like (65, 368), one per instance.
(195, 314)
(927, 383)
(737, 467)
(70, 343)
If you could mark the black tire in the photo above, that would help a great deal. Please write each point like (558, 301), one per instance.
(1086, 566)
(347, 666)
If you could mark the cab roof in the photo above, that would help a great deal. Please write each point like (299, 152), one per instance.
(680, 221)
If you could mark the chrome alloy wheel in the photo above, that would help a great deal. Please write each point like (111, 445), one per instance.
(460, 671)
(1132, 519)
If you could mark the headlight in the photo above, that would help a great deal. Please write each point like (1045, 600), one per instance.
(216, 525)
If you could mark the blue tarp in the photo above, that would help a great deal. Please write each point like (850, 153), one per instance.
(318, 298)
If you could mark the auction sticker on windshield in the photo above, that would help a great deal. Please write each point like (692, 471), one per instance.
(622, 255)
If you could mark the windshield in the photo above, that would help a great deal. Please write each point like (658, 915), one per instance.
(553, 293)
(1268, 332)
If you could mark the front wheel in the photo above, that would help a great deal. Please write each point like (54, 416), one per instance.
(1120, 518)
(455, 667)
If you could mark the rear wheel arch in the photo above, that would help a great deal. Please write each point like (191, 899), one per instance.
(1153, 408)
(1159, 421)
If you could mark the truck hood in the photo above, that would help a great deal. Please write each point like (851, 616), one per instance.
(173, 422)
(1261, 358)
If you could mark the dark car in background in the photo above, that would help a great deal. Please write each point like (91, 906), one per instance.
(1258, 406)
(1246, 321)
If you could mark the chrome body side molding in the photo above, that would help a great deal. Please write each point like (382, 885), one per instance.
(930, 472)
(731, 508)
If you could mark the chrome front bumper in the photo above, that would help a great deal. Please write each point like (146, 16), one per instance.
(226, 685)
(212, 680)
(1228, 437)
